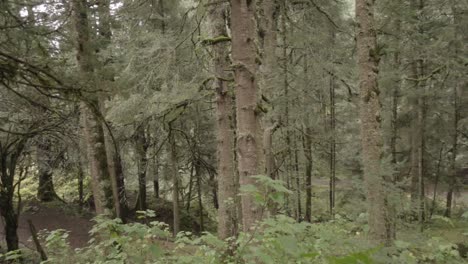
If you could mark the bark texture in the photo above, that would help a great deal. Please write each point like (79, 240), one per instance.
(175, 181)
(106, 78)
(45, 190)
(93, 131)
(370, 108)
(228, 185)
(245, 67)
(9, 155)
(141, 149)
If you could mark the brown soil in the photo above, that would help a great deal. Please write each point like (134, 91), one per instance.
(51, 218)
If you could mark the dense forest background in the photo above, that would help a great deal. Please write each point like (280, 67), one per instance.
(241, 131)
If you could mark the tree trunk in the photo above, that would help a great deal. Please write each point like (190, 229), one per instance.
(199, 194)
(307, 141)
(453, 157)
(9, 156)
(11, 226)
(80, 184)
(106, 79)
(175, 181)
(228, 185)
(460, 19)
(155, 172)
(288, 162)
(45, 190)
(141, 148)
(245, 69)
(332, 162)
(94, 134)
(371, 138)
(436, 182)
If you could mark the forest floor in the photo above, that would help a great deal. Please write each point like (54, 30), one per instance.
(50, 216)
(56, 215)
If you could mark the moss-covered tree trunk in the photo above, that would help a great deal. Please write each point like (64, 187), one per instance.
(106, 79)
(228, 186)
(371, 135)
(245, 70)
(90, 107)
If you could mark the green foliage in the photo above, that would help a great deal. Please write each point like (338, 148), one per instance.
(275, 240)
(270, 191)
(11, 257)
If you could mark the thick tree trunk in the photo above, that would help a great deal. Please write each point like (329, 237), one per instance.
(9, 156)
(106, 77)
(228, 185)
(371, 138)
(94, 134)
(97, 156)
(11, 226)
(245, 69)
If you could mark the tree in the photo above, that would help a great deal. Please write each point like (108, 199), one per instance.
(245, 68)
(371, 138)
(227, 180)
(90, 109)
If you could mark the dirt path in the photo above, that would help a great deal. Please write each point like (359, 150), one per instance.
(52, 218)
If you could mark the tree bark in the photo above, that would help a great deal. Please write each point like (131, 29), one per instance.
(460, 21)
(106, 79)
(199, 194)
(371, 138)
(228, 185)
(436, 182)
(245, 69)
(45, 190)
(453, 157)
(141, 149)
(175, 181)
(332, 183)
(307, 141)
(94, 134)
(9, 156)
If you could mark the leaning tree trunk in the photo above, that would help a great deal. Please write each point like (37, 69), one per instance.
(371, 138)
(93, 131)
(245, 67)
